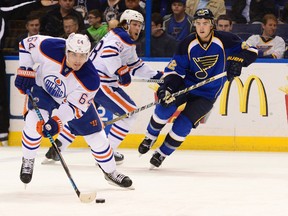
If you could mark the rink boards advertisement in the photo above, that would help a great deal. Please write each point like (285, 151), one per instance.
(251, 114)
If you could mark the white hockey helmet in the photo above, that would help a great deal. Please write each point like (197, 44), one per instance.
(78, 43)
(129, 15)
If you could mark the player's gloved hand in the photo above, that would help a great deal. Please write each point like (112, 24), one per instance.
(165, 97)
(25, 79)
(234, 67)
(52, 126)
(124, 75)
(158, 75)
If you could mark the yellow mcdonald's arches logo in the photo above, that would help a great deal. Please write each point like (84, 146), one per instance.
(243, 92)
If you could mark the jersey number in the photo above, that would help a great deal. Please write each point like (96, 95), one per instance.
(83, 99)
(96, 50)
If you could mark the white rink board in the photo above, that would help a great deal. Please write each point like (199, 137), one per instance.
(273, 76)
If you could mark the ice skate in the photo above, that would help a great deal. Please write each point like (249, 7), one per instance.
(119, 158)
(26, 170)
(118, 179)
(4, 139)
(51, 156)
(156, 160)
(145, 145)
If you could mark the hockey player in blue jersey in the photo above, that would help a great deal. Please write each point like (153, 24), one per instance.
(64, 83)
(199, 56)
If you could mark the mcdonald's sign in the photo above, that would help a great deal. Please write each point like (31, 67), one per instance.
(243, 92)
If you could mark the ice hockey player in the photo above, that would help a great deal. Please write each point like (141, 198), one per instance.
(115, 59)
(65, 82)
(199, 56)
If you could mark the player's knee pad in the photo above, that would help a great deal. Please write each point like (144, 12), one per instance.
(97, 141)
(182, 126)
(164, 113)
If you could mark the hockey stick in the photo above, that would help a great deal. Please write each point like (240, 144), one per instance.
(204, 82)
(85, 198)
(148, 80)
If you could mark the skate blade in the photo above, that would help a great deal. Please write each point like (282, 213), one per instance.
(4, 143)
(119, 162)
(48, 161)
(152, 167)
(114, 184)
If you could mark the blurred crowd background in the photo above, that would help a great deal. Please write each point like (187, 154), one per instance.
(171, 20)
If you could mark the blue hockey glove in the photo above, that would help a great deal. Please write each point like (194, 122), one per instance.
(124, 75)
(52, 126)
(234, 67)
(25, 79)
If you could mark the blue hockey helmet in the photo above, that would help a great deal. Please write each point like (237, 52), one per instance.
(203, 13)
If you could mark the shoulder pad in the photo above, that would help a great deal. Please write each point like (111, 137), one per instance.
(124, 36)
(54, 48)
(88, 76)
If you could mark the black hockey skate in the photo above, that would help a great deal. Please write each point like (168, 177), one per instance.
(118, 179)
(4, 139)
(51, 155)
(145, 145)
(156, 160)
(119, 158)
(26, 171)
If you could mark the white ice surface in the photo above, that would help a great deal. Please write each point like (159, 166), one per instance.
(196, 183)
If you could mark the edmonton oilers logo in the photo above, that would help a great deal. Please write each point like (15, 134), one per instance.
(55, 86)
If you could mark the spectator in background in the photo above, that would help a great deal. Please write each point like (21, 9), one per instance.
(269, 45)
(134, 5)
(32, 25)
(284, 14)
(70, 25)
(161, 6)
(97, 29)
(259, 8)
(52, 22)
(178, 24)
(83, 6)
(162, 44)
(112, 9)
(224, 23)
(240, 11)
(252, 11)
(217, 7)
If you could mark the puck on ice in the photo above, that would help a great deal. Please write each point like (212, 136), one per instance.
(100, 200)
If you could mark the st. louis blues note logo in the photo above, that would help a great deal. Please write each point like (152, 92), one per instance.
(55, 86)
(204, 63)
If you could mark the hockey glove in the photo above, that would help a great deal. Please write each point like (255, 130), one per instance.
(158, 75)
(165, 97)
(52, 126)
(124, 77)
(25, 79)
(234, 67)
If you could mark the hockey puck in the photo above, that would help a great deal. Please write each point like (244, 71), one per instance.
(100, 200)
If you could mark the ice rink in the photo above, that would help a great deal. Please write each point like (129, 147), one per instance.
(194, 183)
